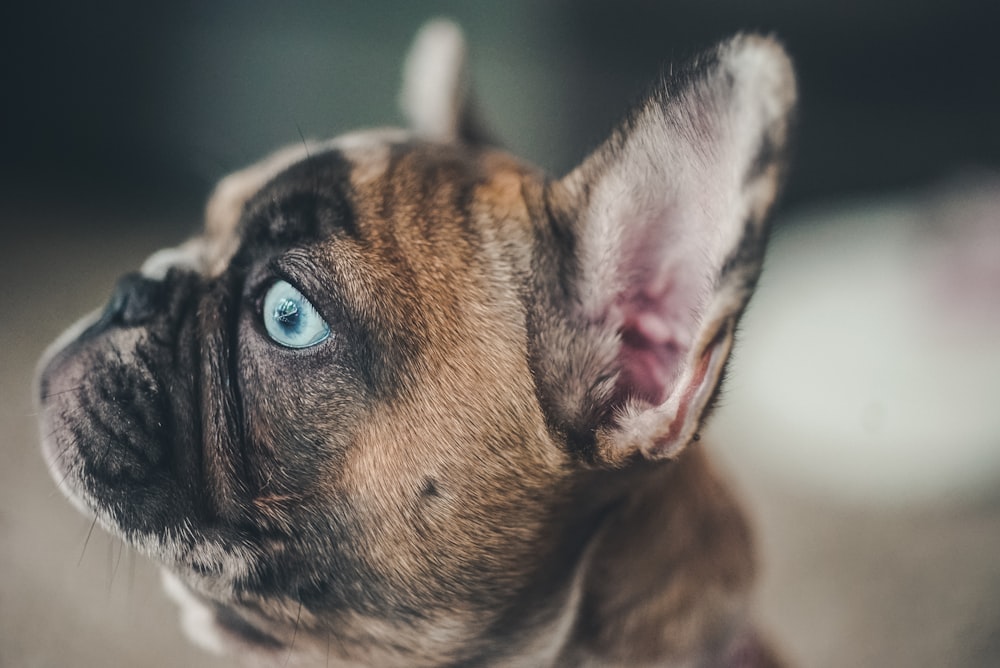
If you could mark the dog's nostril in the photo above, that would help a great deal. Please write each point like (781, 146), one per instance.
(134, 300)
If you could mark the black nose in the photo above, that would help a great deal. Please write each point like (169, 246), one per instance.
(134, 300)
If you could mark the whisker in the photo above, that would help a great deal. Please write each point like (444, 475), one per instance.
(305, 144)
(59, 487)
(295, 633)
(118, 561)
(108, 574)
(46, 436)
(62, 481)
(46, 397)
(121, 550)
(131, 570)
(86, 542)
(66, 446)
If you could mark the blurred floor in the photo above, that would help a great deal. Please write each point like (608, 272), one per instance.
(845, 582)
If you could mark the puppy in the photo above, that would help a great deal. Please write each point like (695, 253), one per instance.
(408, 401)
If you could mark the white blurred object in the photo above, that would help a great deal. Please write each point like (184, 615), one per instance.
(869, 363)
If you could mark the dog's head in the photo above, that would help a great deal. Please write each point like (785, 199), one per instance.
(377, 408)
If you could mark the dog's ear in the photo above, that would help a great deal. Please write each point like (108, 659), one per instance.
(666, 228)
(435, 97)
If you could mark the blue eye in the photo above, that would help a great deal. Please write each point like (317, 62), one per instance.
(290, 319)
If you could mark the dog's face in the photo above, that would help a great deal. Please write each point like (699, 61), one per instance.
(376, 410)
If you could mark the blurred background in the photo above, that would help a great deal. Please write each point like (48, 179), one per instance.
(862, 418)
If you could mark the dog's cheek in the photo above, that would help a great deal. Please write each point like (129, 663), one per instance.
(298, 410)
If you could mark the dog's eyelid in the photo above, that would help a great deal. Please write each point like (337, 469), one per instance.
(298, 269)
(276, 268)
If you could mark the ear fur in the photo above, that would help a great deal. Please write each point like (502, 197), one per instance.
(668, 225)
(435, 95)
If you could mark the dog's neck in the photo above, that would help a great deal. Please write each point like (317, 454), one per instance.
(667, 579)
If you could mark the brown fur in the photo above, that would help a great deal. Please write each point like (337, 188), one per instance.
(461, 475)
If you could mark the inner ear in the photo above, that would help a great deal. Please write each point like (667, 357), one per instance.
(668, 223)
(658, 316)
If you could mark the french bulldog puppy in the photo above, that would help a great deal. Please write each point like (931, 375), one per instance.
(409, 401)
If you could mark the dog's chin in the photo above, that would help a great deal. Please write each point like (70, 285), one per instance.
(244, 632)
(215, 628)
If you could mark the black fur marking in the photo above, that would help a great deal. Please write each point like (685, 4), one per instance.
(745, 258)
(430, 488)
(308, 201)
(771, 151)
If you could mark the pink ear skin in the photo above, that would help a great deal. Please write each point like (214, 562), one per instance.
(694, 399)
(668, 219)
(669, 444)
(663, 431)
(654, 338)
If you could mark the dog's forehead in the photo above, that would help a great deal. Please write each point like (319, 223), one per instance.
(368, 150)
(382, 164)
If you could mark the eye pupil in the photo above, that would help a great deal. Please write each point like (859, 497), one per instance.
(287, 313)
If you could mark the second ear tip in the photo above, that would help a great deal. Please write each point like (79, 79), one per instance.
(766, 51)
(440, 30)
(438, 47)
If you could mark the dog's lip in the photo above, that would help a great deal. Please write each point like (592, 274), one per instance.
(69, 381)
